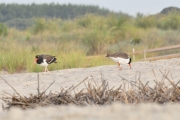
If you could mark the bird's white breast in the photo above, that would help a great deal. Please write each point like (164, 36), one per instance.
(44, 63)
(120, 60)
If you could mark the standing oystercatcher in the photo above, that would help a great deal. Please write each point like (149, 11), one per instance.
(120, 58)
(45, 60)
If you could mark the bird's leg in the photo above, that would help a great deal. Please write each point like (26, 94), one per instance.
(47, 69)
(44, 73)
(130, 66)
(119, 66)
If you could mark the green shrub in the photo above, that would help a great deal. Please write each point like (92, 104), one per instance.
(146, 22)
(84, 21)
(3, 29)
(170, 21)
(40, 26)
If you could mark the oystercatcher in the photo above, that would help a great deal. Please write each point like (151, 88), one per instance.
(45, 60)
(120, 58)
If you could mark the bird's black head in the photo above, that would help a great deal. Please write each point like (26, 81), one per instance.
(37, 58)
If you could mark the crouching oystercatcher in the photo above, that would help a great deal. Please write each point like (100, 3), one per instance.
(45, 60)
(120, 58)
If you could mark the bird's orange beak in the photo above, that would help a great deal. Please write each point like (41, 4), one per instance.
(130, 66)
(35, 60)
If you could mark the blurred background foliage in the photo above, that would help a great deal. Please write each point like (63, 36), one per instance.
(78, 35)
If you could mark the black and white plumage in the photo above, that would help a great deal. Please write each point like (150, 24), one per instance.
(120, 58)
(45, 60)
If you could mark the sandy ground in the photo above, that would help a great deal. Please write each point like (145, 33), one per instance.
(26, 83)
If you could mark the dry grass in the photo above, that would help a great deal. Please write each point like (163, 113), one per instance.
(164, 91)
